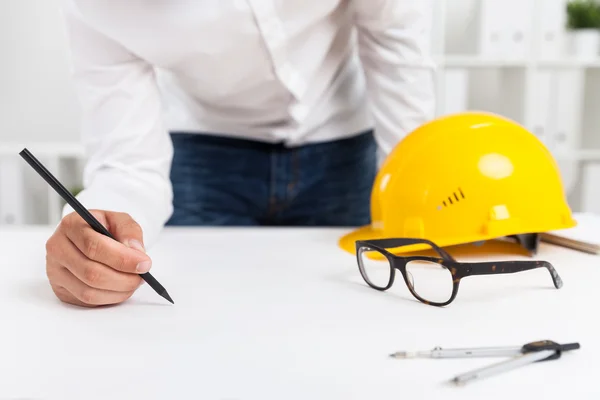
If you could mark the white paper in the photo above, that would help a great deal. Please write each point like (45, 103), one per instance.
(586, 231)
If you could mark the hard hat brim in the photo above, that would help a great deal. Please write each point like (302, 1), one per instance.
(347, 241)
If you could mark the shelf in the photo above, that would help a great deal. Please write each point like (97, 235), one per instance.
(474, 61)
(589, 155)
(478, 62)
(49, 149)
(569, 63)
(581, 155)
(73, 150)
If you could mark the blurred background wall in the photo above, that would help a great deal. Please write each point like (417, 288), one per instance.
(515, 57)
(36, 98)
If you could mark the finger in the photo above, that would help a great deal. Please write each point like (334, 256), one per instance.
(66, 297)
(93, 273)
(100, 215)
(105, 250)
(87, 294)
(52, 267)
(52, 270)
(125, 229)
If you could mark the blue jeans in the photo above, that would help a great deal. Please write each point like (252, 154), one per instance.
(220, 181)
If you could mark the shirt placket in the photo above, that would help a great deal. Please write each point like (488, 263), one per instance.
(273, 33)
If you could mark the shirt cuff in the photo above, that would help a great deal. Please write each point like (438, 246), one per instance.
(109, 193)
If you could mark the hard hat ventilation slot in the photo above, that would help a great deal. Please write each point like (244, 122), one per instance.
(454, 198)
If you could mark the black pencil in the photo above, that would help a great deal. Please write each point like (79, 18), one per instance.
(84, 213)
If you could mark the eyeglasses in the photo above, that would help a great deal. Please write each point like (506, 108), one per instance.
(432, 280)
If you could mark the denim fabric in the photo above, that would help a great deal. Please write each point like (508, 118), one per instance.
(220, 181)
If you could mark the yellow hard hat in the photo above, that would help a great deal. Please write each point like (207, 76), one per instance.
(464, 178)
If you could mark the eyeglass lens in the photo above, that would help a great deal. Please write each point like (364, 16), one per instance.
(429, 280)
(375, 267)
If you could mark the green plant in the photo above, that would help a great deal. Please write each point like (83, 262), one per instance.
(75, 190)
(583, 14)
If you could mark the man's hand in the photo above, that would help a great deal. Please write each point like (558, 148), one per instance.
(88, 269)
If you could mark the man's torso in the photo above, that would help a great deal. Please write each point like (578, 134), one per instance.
(274, 70)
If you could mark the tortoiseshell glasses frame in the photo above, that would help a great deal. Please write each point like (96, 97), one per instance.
(458, 270)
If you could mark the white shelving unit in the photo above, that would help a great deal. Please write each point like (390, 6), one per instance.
(26, 198)
(504, 56)
(512, 57)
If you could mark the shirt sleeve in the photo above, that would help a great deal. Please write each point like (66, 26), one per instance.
(128, 150)
(399, 71)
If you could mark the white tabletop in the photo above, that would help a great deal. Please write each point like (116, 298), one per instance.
(295, 321)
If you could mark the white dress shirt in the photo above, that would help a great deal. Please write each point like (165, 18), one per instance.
(295, 71)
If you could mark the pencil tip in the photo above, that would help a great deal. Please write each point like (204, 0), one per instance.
(166, 296)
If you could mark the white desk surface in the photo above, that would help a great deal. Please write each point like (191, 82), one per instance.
(295, 321)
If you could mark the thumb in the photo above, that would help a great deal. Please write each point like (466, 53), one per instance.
(124, 228)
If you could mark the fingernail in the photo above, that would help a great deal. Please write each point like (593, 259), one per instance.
(143, 267)
(134, 244)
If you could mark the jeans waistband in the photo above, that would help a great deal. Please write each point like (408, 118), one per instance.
(239, 142)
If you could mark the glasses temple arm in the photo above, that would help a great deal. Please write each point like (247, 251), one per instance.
(509, 267)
